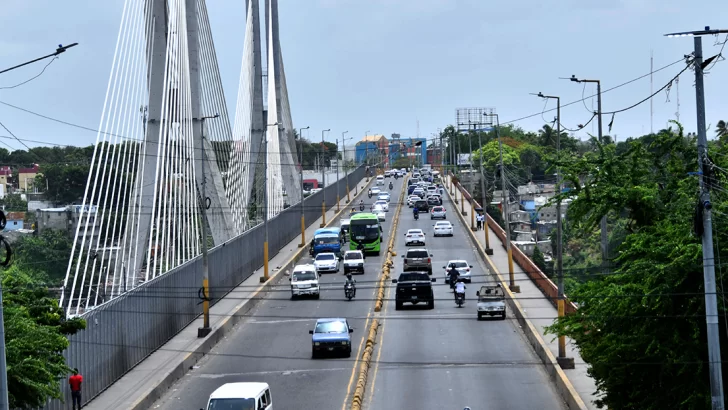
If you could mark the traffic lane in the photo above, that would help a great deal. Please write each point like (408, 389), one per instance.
(445, 357)
(273, 345)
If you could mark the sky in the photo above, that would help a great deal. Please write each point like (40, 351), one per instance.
(390, 66)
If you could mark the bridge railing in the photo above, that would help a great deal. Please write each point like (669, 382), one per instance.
(124, 331)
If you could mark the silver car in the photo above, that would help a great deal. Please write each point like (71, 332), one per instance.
(438, 212)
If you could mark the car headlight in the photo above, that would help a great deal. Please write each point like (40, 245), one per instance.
(345, 342)
(316, 344)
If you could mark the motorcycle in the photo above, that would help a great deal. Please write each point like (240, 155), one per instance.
(370, 194)
(349, 291)
(391, 186)
(460, 299)
(417, 216)
(361, 207)
(453, 281)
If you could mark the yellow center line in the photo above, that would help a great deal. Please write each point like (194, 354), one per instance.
(379, 347)
(356, 362)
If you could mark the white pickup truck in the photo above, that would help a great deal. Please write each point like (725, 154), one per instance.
(304, 281)
(491, 302)
(353, 262)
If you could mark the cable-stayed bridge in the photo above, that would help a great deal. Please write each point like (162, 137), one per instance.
(168, 146)
(166, 131)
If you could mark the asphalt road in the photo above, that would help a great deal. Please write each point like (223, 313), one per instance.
(446, 358)
(273, 344)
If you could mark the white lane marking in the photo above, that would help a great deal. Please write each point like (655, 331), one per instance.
(279, 372)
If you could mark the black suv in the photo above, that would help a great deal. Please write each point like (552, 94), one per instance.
(414, 287)
(422, 205)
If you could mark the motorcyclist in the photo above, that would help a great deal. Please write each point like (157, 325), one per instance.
(361, 205)
(415, 212)
(453, 276)
(391, 186)
(350, 281)
(459, 289)
(370, 193)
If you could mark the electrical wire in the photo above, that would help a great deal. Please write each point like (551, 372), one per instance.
(32, 78)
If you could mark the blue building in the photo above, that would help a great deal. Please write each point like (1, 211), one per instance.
(407, 148)
(14, 221)
(371, 146)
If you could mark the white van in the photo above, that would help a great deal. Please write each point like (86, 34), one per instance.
(241, 396)
(380, 180)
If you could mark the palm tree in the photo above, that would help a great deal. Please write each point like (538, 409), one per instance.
(721, 130)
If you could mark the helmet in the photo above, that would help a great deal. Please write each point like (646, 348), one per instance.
(348, 276)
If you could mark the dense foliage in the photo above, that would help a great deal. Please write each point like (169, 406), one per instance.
(641, 327)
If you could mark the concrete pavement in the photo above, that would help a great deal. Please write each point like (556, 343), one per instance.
(446, 358)
(272, 345)
(139, 388)
(541, 313)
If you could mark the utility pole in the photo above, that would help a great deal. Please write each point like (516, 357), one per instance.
(205, 329)
(323, 178)
(512, 286)
(603, 228)
(711, 300)
(484, 199)
(266, 276)
(564, 362)
(303, 213)
(346, 171)
(338, 194)
(4, 403)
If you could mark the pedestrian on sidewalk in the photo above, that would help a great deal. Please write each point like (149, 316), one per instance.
(480, 221)
(75, 382)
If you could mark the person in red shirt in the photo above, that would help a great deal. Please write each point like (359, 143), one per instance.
(75, 382)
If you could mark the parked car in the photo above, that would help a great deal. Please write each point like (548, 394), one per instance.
(331, 335)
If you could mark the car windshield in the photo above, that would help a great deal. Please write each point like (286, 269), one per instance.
(408, 277)
(438, 209)
(352, 256)
(330, 327)
(303, 275)
(232, 404)
(458, 265)
(324, 240)
(325, 257)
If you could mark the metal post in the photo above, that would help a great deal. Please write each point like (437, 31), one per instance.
(346, 172)
(512, 286)
(323, 179)
(303, 213)
(338, 196)
(205, 329)
(484, 202)
(4, 403)
(266, 276)
(603, 223)
(711, 302)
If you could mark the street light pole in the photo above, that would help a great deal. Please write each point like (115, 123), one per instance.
(603, 223)
(346, 172)
(484, 197)
(711, 301)
(323, 178)
(303, 213)
(564, 362)
(266, 276)
(504, 195)
(205, 329)
(338, 196)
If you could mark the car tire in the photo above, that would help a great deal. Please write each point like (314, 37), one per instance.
(480, 316)
(431, 304)
(503, 316)
(313, 354)
(348, 352)
(318, 296)
(293, 297)
(397, 305)
(429, 272)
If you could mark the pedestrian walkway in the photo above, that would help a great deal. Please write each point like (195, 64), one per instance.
(146, 382)
(541, 313)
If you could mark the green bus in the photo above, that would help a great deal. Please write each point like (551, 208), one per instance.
(366, 230)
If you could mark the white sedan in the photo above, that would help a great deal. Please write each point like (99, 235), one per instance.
(378, 210)
(414, 237)
(443, 228)
(383, 204)
(326, 262)
(384, 196)
(412, 199)
(376, 190)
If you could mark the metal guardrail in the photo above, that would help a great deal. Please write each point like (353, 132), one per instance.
(123, 332)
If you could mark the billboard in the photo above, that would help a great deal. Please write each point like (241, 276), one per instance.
(463, 159)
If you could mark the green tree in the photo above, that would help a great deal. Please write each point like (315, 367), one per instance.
(46, 254)
(489, 155)
(65, 183)
(641, 329)
(538, 259)
(14, 203)
(36, 336)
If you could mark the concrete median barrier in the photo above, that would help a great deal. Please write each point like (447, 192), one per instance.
(361, 384)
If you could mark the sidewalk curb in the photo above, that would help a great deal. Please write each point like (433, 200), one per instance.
(564, 387)
(154, 393)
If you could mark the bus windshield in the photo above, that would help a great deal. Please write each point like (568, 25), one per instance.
(326, 240)
(364, 230)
